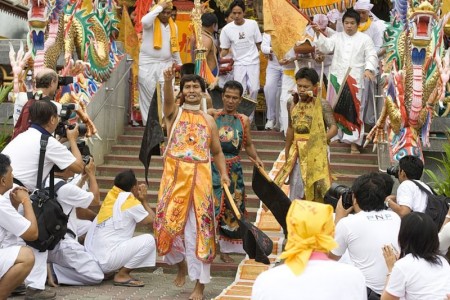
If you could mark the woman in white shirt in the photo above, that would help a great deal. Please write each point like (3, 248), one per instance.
(420, 272)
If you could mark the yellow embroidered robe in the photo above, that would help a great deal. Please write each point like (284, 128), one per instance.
(310, 147)
(186, 181)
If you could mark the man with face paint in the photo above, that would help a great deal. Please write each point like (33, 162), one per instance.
(355, 50)
(159, 50)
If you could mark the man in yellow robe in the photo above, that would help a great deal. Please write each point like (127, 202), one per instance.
(185, 199)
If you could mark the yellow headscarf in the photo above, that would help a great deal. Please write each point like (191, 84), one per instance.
(106, 210)
(310, 228)
(157, 34)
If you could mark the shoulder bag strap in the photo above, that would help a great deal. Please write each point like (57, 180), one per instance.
(44, 142)
(422, 188)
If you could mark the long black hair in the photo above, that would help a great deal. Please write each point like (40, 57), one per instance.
(418, 236)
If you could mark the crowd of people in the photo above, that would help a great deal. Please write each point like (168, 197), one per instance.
(376, 248)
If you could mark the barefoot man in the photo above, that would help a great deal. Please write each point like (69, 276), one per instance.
(186, 207)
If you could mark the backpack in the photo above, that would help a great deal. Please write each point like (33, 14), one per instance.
(50, 217)
(437, 205)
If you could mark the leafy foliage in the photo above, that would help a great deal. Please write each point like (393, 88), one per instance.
(441, 182)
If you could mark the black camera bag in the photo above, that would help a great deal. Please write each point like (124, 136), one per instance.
(50, 217)
(437, 205)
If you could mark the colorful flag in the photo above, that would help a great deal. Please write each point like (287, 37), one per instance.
(284, 23)
(346, 110)
(129, 38)
(312, 8)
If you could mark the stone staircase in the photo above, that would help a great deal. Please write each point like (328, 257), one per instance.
(345, 168)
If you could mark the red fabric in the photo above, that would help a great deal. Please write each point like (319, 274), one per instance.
(23, 121)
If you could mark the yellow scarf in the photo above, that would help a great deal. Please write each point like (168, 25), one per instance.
(106, 210)
(157, 36)
(310, 228)
(365, 26)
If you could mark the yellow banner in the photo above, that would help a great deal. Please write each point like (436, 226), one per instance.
(323, 6)
(185, 34)
(284, 23)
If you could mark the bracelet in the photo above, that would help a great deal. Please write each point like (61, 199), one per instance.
(388, 274)
(387, 202)
(447, 216)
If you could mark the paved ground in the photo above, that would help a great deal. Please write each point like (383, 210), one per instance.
(158, 286)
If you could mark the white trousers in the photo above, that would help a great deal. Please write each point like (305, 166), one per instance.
(8, 258)
(149, 75)
(73, 265)
(197, 270)
(248, 76)
(138, 252)
(287, 84)
(38, 275)
(272, 91)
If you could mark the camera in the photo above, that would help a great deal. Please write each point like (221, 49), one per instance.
(65, 114)
(393, 171)
(338, 190)
(85, 151)
(65, 80)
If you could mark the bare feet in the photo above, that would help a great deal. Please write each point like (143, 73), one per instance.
(50, 279)
(180, 280)
(197, 293)
(226, 258)
(354, 149)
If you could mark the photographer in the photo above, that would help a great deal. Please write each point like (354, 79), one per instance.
(409, 196)
(46, 86)
(366, 231)
(72, 265)
(24, 152)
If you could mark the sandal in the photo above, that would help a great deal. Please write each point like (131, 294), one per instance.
(129, 283)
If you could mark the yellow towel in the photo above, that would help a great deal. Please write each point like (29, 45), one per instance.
(310, 228)
(106, 210)
(157, 36)
(362, 28)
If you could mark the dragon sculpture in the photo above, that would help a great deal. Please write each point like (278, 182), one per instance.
(416, 70)
(63, 27)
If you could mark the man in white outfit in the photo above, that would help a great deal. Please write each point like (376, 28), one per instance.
(16, 261)
(71, 263)
(110, 239)
(355, 50)
(243, 38)
(272, 88)
(159, 50)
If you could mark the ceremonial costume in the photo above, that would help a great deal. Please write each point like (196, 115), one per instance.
(159, 50)
(185, 205)
(356, 51)
(232, 138)
(307, 162)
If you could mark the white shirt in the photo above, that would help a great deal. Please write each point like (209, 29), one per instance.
(444, 239)
(409, 194)
(416, 279)
(105, 237)
(70, 197)
(321, 280)
(242, 40)
(356, 51)
(11, 221)
(24, 154)
(266, 47)
(375, 31)
(364, 234)
(148, 54)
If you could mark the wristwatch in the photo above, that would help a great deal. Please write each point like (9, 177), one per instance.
(386, 203)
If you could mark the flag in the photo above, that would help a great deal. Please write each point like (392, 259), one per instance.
(284, 23)
(142, 8)
(347, 108)
(129, 38)
(312, 8)
(153, 135)
(333, 88)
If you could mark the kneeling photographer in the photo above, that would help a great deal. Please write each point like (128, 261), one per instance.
(409, 196)
(365, 232)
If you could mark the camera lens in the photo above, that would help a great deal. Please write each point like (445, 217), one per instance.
(82, 129)
(393, 171)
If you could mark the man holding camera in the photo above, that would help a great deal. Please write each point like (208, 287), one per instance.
(409, 196)
(71, 263)
(24, 152)
(365, 232)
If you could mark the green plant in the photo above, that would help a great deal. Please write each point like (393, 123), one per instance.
(441, 184)
(4, 91)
